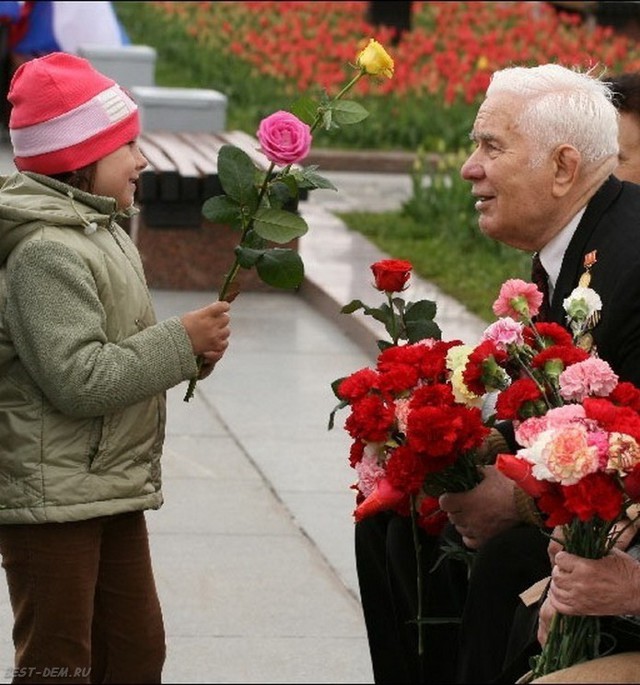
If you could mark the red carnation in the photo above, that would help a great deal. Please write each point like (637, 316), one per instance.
(430, 517)
(550, 332)
(405, 470)
(520, 400)
(371, 419)
(357, 385)
(566, 354)
(626, 394)
(632, 483)
(596, 494)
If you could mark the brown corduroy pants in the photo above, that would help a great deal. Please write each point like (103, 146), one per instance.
(84, 601)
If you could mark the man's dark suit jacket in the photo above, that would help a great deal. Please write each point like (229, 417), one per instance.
(611, 227)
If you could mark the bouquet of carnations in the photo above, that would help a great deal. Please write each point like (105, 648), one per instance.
(416, 428)
(578, 431)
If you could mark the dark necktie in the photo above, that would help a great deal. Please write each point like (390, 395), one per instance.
(540, 278)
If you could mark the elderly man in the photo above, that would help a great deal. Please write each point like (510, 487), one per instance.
(546, 149)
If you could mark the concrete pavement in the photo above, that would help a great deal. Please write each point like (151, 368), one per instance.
(253, 548)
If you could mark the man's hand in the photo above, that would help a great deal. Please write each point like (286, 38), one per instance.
(483, 512)
(546, 613)
(595, 587)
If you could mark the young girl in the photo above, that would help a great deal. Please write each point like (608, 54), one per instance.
(84, 367)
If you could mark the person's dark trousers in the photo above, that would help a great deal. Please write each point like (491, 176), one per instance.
(504, 567)
(84, 600)
(387, 574)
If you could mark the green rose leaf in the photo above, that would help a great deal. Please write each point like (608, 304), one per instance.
(327, 120)
(419, 330)
(281, 268)
(309, 179)
(278, 225)
(347, 112)
(237, 175)
(221, 209)
(421, 310)
(419, 321)
(353, 306)
(247, 257)
(282, 191)
(305, 109)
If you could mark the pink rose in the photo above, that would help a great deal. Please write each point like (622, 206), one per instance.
(284, 139)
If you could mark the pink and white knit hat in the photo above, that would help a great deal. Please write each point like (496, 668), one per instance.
(66, 114)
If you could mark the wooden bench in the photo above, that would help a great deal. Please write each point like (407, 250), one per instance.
(183, 173)
(180, 249)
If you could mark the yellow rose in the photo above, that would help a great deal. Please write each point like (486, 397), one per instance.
(375, 60)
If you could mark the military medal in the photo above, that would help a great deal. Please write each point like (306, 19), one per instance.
(589, 260)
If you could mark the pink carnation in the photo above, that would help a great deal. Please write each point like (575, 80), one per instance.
(284, 139)
(517, 298)
(504, 332)
(528, 431)
(369, 471)
(591, 377)
(570, 456)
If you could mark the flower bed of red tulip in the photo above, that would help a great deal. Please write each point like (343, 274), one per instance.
(445, 61)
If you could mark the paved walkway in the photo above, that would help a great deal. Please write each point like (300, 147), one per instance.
(253, 547)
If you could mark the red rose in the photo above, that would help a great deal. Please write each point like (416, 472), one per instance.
(391, 275)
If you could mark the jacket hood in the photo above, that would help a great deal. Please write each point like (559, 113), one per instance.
(28, 200)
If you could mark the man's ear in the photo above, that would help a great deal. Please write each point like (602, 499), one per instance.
(566, 161)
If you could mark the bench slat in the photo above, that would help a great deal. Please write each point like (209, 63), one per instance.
(162, 181)
(183, 172)
(248, 144)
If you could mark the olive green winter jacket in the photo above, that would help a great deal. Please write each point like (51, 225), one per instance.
(83, 363)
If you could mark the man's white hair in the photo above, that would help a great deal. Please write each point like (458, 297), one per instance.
(563, 106)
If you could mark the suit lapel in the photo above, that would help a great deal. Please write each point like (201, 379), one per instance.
(573, 260)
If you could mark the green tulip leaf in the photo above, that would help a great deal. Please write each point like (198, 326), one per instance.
(237, 175)
(278, 225)
(281, 268)
(346, 112)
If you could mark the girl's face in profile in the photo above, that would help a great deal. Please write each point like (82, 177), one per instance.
(117, 174)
